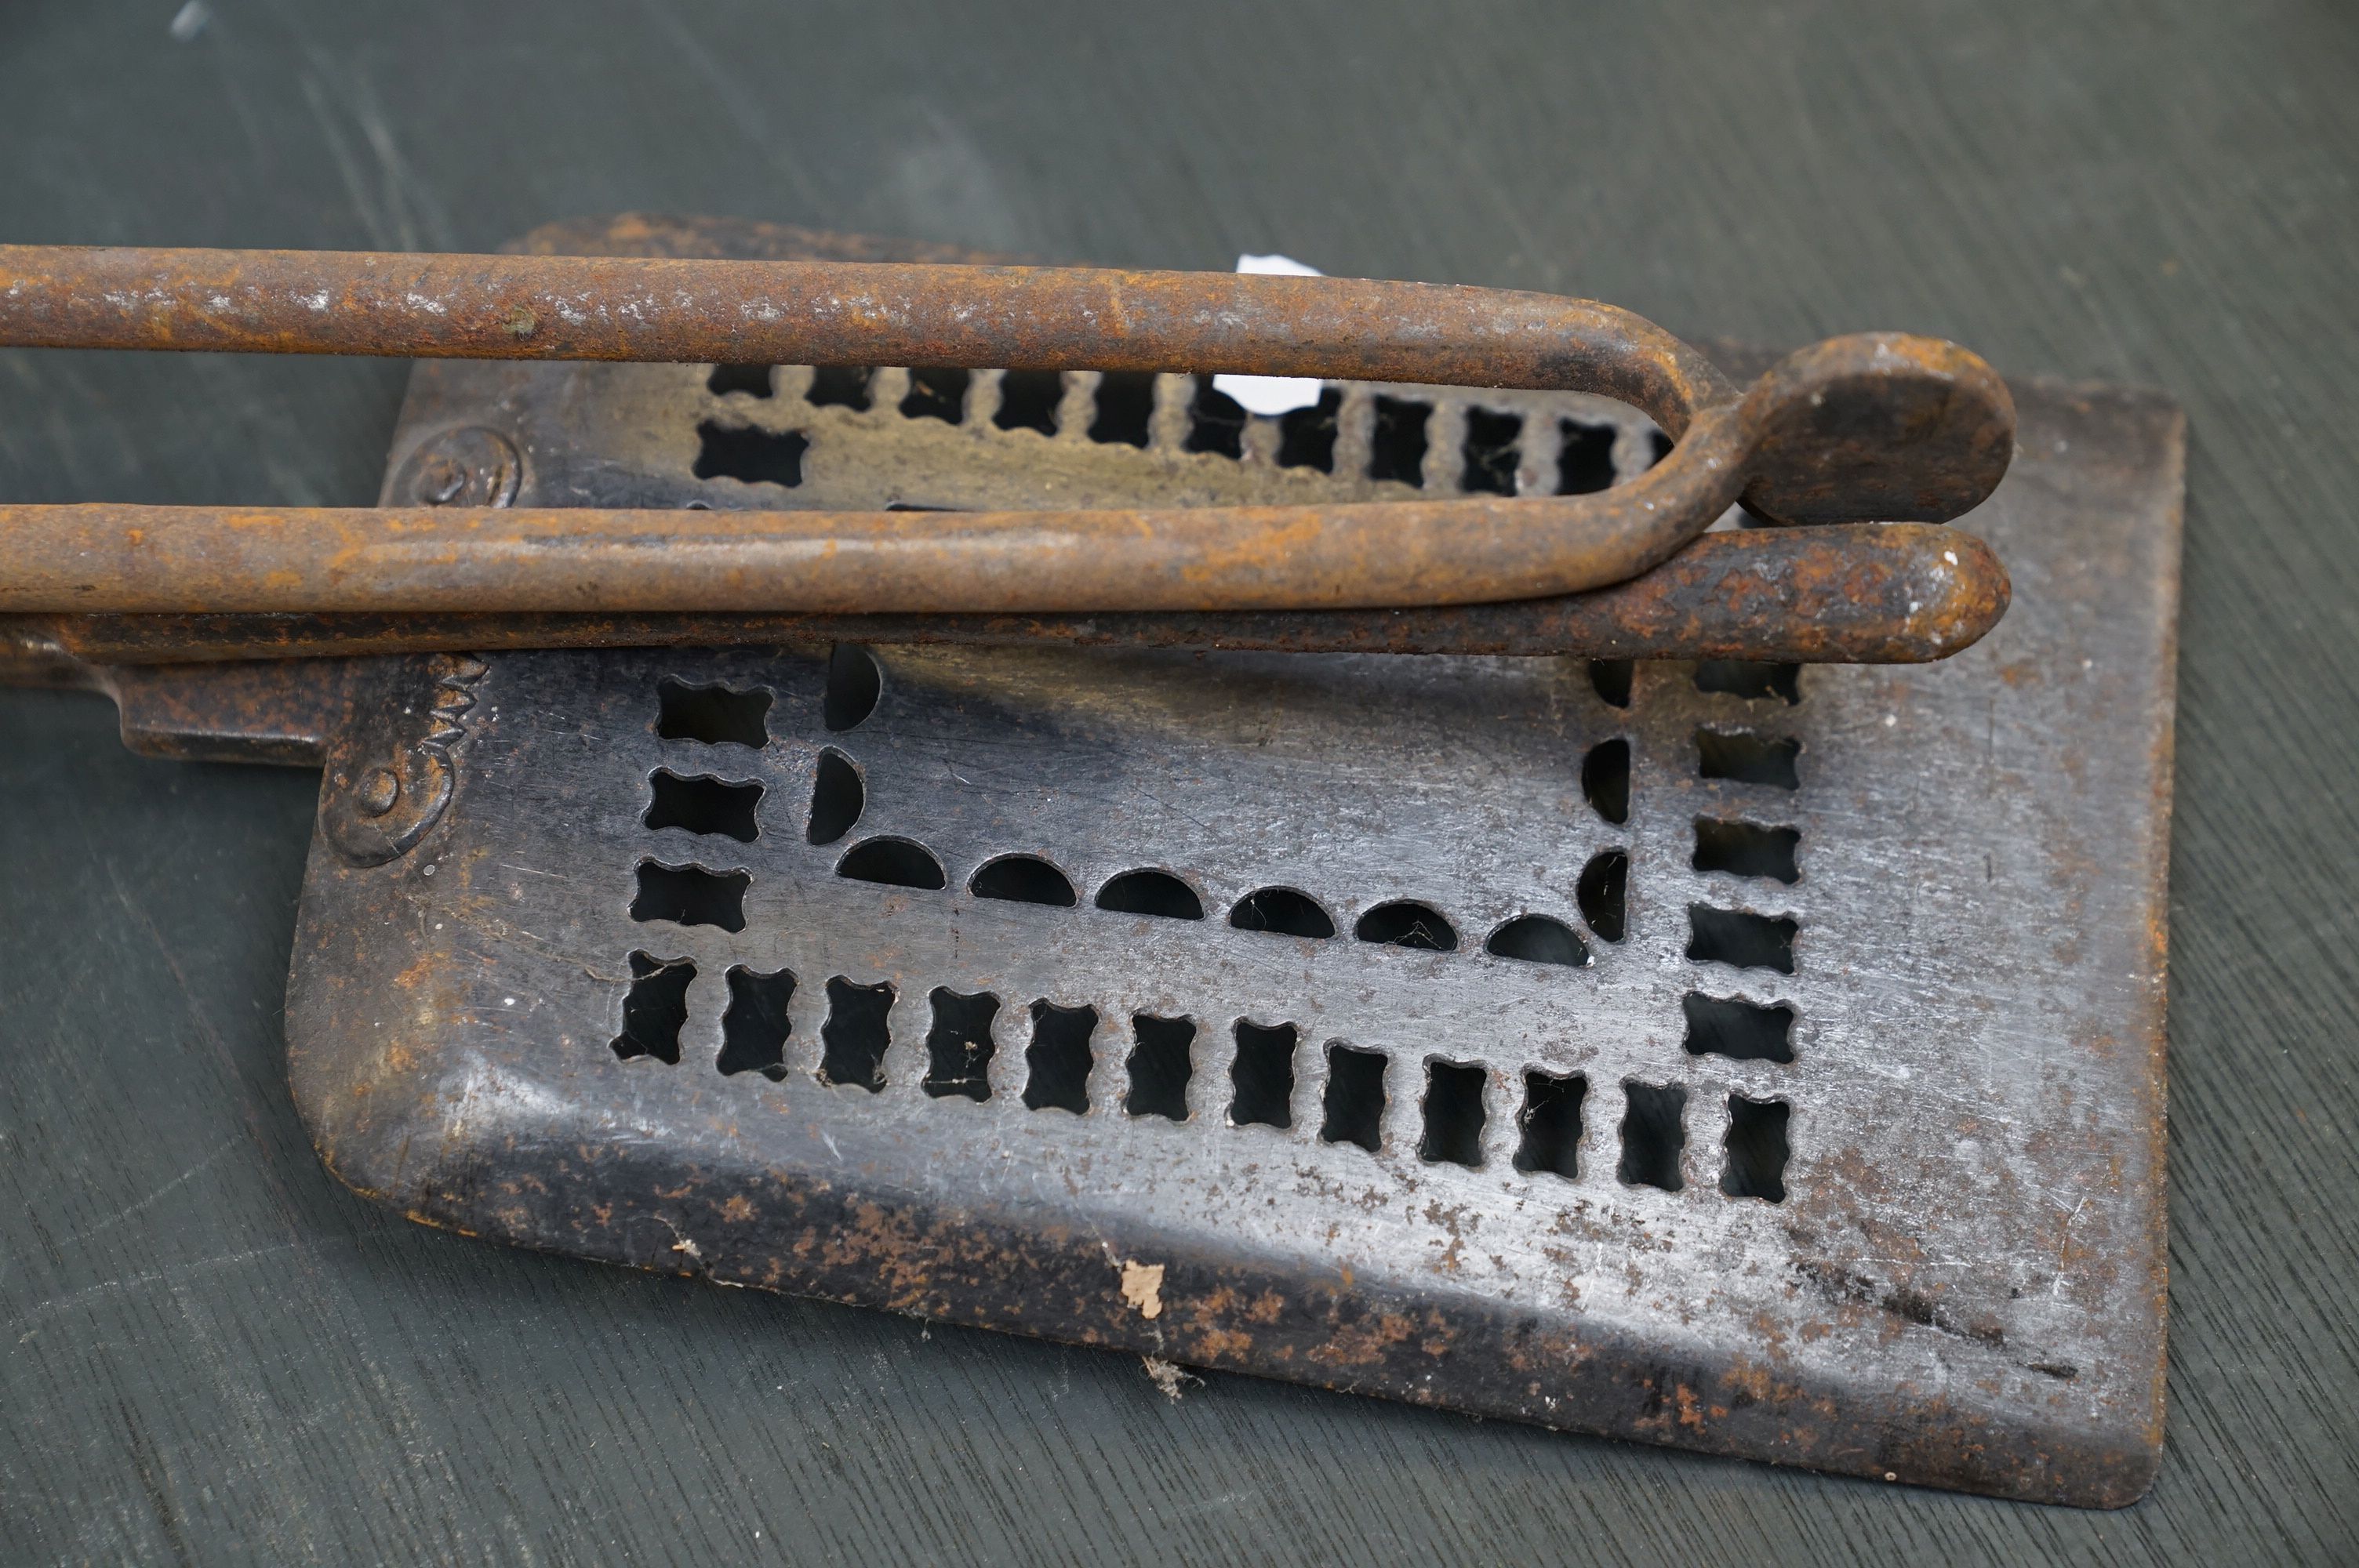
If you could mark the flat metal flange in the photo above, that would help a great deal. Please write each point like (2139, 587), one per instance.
(1755, 1059)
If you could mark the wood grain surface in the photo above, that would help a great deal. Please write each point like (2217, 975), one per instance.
(211, 1352)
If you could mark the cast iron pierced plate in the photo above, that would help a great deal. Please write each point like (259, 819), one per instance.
(1765, 1061)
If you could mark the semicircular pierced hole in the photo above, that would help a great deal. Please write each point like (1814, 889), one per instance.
(1536, 939)
(1600, 893)
(1023, 879)
(1151, 893)
(1407, 923)
(896, 862)
(1284, 911)
(853, 683)
(838, 798)
(1605, 779)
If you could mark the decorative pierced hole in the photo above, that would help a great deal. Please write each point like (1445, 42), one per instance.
(1217, 422)
(752, 380)
(1160, 1065)
(838, 798)
(936, 394)
(702, 803)
(1125, 409)
(895, 862)
(1611, 679)
(654, 1008)
(1742, 757)
(853, 683)
(1490, 451)
(1740, 940)
(690, 896)
(749, 455)
(1536, 939)
(1605, 779)
(713, 714)
(1739, 1030)
(1263, 1076)
(959, 1045)
(1353, 1104)
(1746, 850)
(853, 1040)
(1396, 450)
(1600, 893)
(1584, 457)
(1659, 446)
(1158, 894)
(839, 387)
(1023, 879)
(1653, 1135)
(1284, 911)
(1407, 925)
(1756, 1150)
(1454, 1114)
(1550, 1124)
(1750, 679)
(1028, 399)
(1306, 436)
(755, 1026)
(1057, 1063)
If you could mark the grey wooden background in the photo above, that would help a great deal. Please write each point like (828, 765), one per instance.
(209, 1351)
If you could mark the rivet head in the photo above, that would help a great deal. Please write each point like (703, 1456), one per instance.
(378, 791)
(470, 466)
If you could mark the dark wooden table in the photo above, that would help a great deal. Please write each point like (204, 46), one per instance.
(212, 1352)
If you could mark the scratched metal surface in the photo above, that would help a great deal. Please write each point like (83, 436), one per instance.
(1959, 1283)
(216, 1354)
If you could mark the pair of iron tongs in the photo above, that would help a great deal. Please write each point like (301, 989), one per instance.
(1875, 435)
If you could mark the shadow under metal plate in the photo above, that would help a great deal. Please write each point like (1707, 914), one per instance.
(1759, 1060)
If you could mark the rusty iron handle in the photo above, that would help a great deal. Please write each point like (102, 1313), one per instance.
(1882, 427)
(1902, 594)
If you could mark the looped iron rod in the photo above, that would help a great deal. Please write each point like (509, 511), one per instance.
(1880, 427)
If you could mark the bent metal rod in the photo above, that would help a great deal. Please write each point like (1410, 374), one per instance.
(1882, 427)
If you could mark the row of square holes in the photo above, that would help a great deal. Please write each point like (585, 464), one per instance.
(1058, 1060)
(1121, 411)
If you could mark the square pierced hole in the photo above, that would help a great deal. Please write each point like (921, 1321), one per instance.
(690, 896)
(1125, 409)
(1584, 459)
(1263, 1076)
(1306, 436)
(853, 1040)
(1160, 1065)
(1757, 1149)
(1355, 1101)
(1057, 1063)
(936, 394)
(713, 714)
(654, 1008)
(755, 1026)
(1654, 1132)
(1396, 450)
(1217, 422)
(702, 803)
(959, 1047)
(1744, 941)
(1028, 399)
(1454, 1114)
(1740, 1030)
(1742, 757)
(1490, 451)
(749, 454)
(1550, 1124)
(839, 387)
(1746, 850)
(1748, 678)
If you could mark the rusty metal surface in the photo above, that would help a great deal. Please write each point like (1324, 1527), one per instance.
(1886, 593)
(1954, 1276)
(1881, 426)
